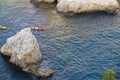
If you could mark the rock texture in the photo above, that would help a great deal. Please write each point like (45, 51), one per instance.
(47, 1)
(24, 52)
(80, 6)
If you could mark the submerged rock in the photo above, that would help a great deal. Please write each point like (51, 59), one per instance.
(47, 1)
(81, 6)
(24, 52)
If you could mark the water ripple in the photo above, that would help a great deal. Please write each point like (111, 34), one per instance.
(76, 47)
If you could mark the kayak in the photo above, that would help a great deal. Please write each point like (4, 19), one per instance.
(3, 27)
(37, 28)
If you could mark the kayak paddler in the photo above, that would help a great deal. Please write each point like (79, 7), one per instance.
(37, 28)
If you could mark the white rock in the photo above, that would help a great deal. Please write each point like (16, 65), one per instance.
(22, 46)
(80, 6)
(24, 52)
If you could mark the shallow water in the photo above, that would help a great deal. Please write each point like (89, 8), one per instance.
(76, 47)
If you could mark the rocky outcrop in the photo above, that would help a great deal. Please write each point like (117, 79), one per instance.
(24, 52)
(81, 6)
(47, 1)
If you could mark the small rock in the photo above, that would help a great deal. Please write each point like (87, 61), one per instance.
(45, 72)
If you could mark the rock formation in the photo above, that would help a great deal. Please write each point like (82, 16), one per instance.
(24, 52)
(81, 6)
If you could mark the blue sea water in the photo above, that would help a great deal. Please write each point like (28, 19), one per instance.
(79, 47)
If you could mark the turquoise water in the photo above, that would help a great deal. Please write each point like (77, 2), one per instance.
(76, 47)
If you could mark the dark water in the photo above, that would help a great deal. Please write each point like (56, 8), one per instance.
(76, 47)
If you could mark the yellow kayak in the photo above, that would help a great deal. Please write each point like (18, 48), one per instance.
(3, 27)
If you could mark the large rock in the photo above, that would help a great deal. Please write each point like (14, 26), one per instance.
(47, 1)
(24, 52)
(80, 6)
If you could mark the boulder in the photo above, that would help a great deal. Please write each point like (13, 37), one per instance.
(24, 52)
(81, 6)
(47, 1)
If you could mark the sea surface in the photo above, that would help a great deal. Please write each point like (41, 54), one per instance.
(79, 47)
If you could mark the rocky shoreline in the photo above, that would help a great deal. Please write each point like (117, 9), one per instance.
(83, 6)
